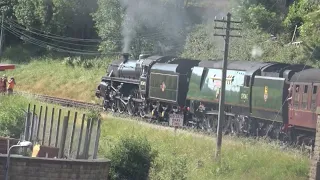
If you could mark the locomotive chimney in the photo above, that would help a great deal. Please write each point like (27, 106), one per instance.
(125, 57)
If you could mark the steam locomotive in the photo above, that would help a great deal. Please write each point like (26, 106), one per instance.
(272, 99)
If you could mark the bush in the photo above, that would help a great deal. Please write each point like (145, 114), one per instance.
(173, 168)
(12, 116)
(131, 159)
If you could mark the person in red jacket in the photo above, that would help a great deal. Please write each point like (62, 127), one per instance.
(11, 84)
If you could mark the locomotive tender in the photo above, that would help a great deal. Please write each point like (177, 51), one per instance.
(186, 92)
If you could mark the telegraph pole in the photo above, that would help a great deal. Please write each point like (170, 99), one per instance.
(1, 35)
(221, 116)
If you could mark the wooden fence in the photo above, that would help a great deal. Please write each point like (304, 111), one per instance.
(64, 131)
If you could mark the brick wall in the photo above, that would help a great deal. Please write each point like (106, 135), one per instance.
(4, 144)
(25, 168)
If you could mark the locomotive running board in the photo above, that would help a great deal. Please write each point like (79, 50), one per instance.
(217, 112)
(124, 80)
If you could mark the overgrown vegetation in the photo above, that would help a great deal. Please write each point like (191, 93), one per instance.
(189, 156)
(131, 159)
(12, 116)
(52, 77)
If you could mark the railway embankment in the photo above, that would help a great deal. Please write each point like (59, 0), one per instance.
(188, 156)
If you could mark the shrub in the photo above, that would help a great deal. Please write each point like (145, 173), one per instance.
(12, 115)
(173, 168)
(131, 159)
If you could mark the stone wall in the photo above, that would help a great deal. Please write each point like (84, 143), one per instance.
(26, 168)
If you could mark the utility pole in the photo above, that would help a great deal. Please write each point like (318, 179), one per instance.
(221, 116)
(1, 35)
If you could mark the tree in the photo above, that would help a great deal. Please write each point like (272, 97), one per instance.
(141, 26)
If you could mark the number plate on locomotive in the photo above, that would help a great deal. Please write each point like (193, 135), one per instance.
(176, 120)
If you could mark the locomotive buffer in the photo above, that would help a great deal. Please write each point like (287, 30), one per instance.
(221, 116)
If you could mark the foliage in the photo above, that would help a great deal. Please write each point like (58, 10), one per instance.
(201, 44)
(131, 159)
(12, 116)
(184, 155)
(85, 63)
(57, 16)
(108, 23)
(173, 168)
(141, 27)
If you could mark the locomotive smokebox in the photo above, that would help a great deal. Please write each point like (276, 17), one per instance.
(125, 57)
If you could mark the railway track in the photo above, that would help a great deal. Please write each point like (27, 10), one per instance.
(61, 101)
(85, 105)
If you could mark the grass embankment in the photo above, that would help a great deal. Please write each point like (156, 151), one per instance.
(187, 153)
(55, 78)
(241, 158)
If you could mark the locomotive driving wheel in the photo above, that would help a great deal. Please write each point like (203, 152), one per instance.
(121, 106)
(143, 109)
(132, 107)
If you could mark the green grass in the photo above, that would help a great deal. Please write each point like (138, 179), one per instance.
(241, 158)
(52, 77)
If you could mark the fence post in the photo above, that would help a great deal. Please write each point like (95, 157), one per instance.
(27, 125)
(63, 136)
(51, 124)
(72, 132)
(32, 122)
(39, 122)
(96, 145)
(58, 128)
(27, 128)
(80, 136)
(44, 125)
(89, 138)
(86, 145)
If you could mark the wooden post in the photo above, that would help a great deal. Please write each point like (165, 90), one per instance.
(86, 145)
(221, 115)
(39, 122)
(27, 128)
(32, 123)
(51, 124)
(44, 125)
(27, 125)
(89, 138)
(58, 128)
(80, 136)
(8, 145)
(63, 136)
(72, 132)
(96, 145)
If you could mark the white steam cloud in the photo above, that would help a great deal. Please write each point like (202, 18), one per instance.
(256, 52)
(152, 14)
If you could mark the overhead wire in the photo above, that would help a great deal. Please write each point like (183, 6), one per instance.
(52, 46)
(54, 36)
(157, 37)
(56, 40)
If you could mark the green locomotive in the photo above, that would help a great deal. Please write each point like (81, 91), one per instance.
(186, 92)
